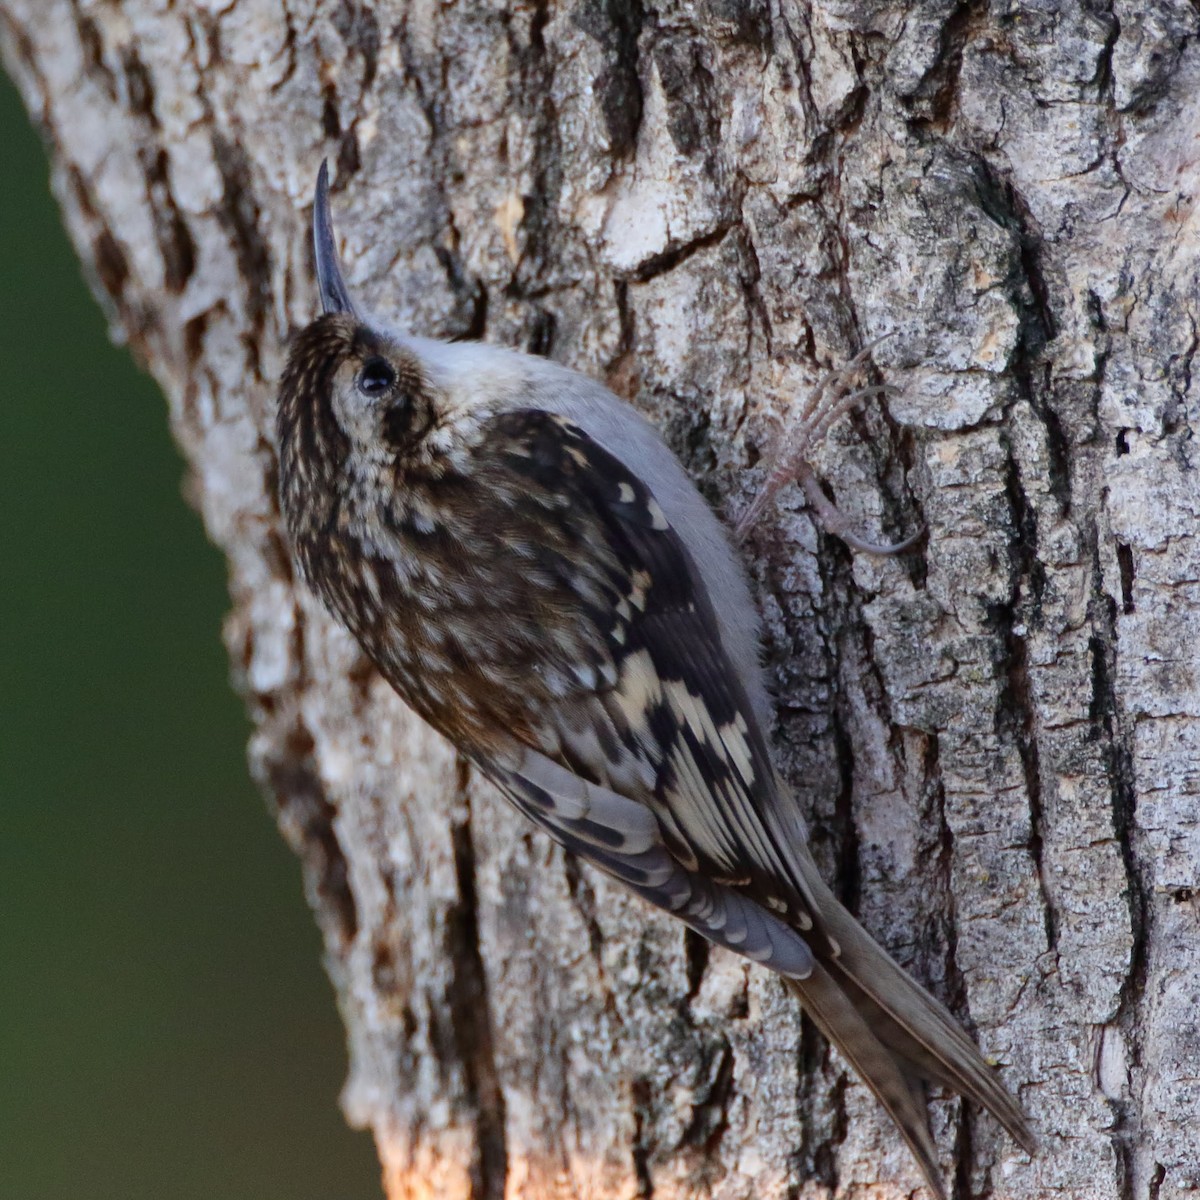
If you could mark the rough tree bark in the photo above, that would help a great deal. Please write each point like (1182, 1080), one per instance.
(708, 204)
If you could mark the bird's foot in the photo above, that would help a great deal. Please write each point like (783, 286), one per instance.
(830, 400)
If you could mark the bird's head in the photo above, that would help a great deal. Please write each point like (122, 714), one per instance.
(361, 403)
(353, 397)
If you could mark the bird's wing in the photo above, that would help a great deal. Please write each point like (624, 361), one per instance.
(664, 720)
(651, 765)
(622, 838)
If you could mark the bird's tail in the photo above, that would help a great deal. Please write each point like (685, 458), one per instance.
(896, 1037)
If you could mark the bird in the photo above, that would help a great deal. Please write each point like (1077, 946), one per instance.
(529, 566)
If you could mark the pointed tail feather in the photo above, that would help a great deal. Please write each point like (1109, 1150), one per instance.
(914, 1026)
(839, 1020)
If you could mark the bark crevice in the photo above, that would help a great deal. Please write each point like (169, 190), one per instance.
(471, 1017)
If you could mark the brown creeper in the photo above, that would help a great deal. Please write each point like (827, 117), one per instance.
(530, 568)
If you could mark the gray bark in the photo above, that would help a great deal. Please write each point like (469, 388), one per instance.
(708, 205)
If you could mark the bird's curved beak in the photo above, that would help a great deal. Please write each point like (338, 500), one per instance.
(335, 296)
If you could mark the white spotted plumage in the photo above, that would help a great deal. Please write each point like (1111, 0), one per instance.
(565, 607)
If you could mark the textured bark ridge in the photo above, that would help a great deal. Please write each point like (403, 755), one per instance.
(707, 204)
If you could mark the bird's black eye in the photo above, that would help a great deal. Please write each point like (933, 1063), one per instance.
(375, 377)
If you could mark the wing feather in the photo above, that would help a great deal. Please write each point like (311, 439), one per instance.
(621, 838)
(688, 744)
(651, 764)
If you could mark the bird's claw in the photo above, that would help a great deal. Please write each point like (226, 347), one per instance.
(829, 401)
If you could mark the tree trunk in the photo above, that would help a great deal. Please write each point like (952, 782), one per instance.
(708, 205)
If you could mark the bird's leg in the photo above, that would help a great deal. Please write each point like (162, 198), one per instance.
(830, 400)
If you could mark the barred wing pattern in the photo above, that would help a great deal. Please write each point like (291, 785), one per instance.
(653, 768)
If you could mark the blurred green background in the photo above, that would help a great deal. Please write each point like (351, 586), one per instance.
(166, 1029)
